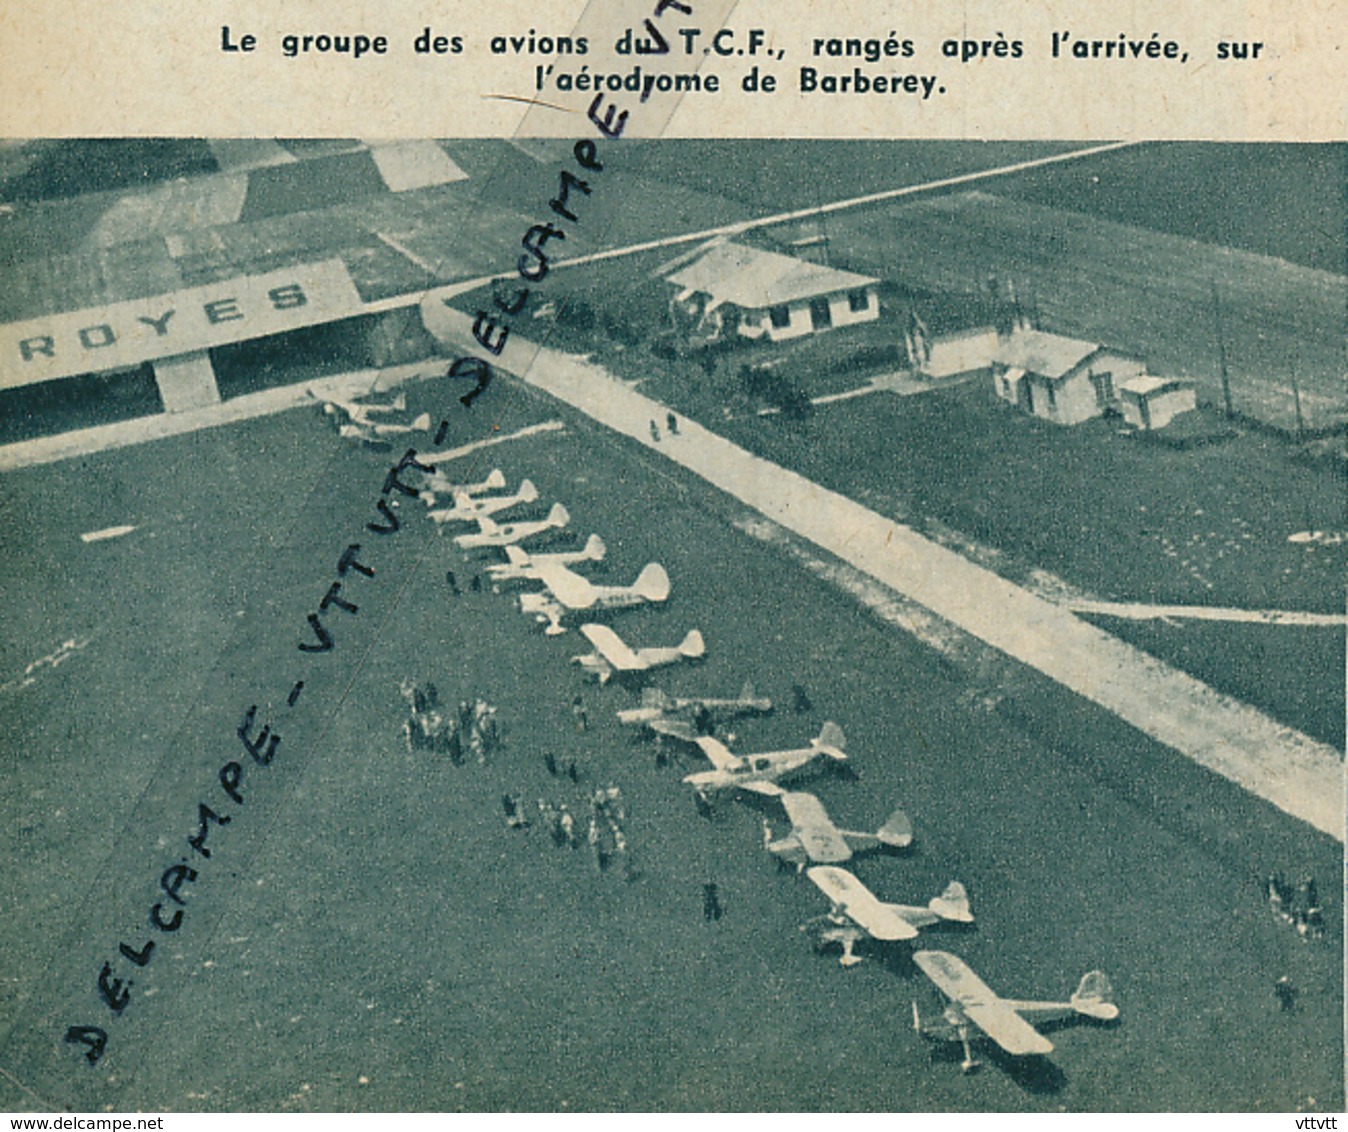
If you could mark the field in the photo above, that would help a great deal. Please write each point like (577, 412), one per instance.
(368, 934)
(1284, 201)
(1081, 509)
(1281, 326)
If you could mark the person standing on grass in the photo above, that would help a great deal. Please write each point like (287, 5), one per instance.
(711, 902)
(1286, 993)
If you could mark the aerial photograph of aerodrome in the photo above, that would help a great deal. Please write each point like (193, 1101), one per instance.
(686, 625)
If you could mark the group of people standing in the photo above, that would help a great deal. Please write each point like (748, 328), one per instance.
(1297, 905)
(604, 835)
(472, 730)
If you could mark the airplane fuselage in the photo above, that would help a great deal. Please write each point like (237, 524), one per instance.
(757, 768)
(506, 534)
(680, 708)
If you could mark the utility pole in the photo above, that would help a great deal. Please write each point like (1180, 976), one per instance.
(1221, 350)
(1296, 399)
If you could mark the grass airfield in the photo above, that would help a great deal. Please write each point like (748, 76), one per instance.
(370, 936)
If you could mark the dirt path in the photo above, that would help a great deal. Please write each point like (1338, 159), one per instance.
(1294, 772)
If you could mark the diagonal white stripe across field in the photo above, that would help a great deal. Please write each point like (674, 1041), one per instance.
(1294, 772)
(1142, 611)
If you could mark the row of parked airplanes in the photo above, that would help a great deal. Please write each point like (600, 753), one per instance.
(815, 845)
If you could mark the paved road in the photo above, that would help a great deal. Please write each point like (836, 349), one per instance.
(1294, 772)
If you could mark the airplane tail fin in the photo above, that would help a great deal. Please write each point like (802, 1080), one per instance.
(747, 692)
(400, 404)
(527, 492)
(422, 423)
(897, 832)
(693, 646)
(953, 904)
(559, 516)
(652, 698)
(495, 480)
(652, 583)
(831, 741)
(595, 549)
(1093, 997)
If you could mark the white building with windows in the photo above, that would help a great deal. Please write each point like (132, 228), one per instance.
(1060, 379)
(733, 289)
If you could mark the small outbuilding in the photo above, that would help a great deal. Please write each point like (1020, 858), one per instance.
(949, 355)
(1060, 379)
(734, 289)
(1149, 402)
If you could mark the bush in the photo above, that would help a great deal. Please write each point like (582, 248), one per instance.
(777, 389)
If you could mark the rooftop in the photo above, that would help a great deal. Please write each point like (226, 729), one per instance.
(1148, 383)
(1038, 351)
(754, 279)
(401, 217)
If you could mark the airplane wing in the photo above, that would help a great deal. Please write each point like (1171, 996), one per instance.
(722, 758)
(859, 904)
(611, 647)
(488, 533)
(762, 786)
(567, 586)
(818, 836)
(995, 1016)
(674, 727)
(454, 514)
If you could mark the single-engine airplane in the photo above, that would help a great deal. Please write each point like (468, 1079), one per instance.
(1007, 1022)
(687, 717)
(858, 914)
(567, 591)
(815, 840)
(470, 508)
(759, 773)
(491, 533)
(613, 654)
(354, 420)
(521, 565)
(436, 484)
